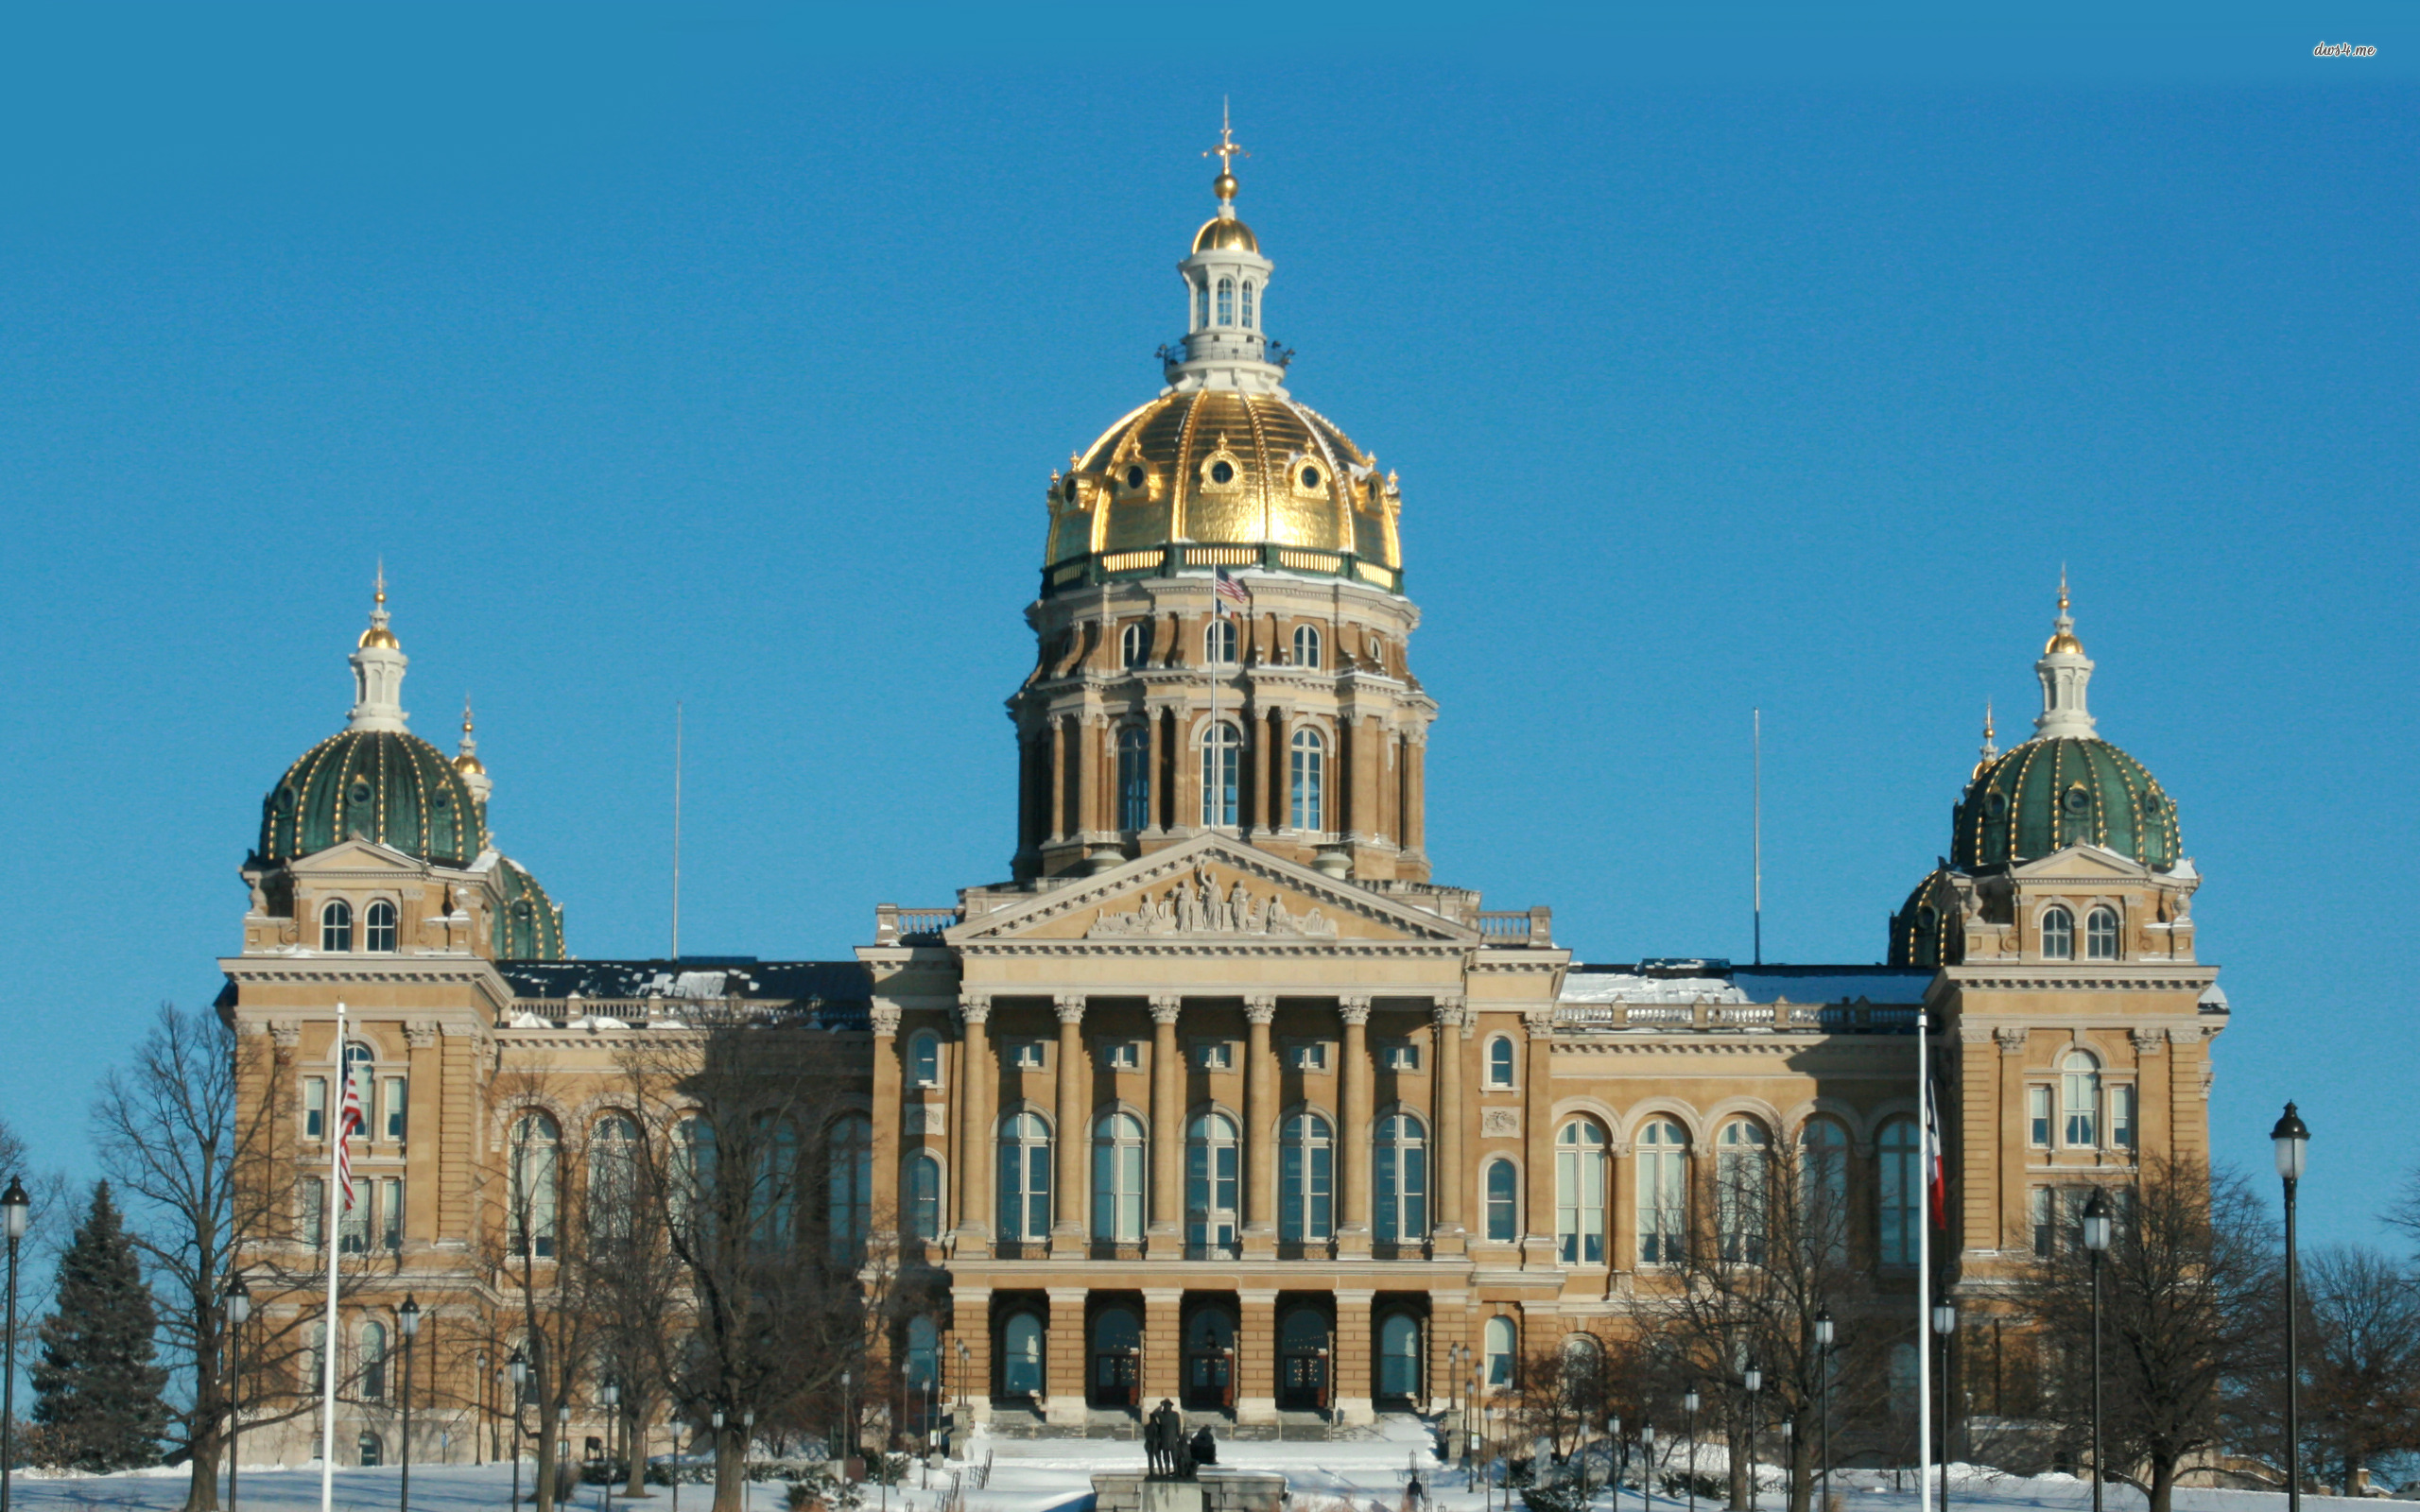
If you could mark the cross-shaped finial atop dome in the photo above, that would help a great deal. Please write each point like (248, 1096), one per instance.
(1226, 151)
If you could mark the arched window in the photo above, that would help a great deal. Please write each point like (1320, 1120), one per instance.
(373, 1361)
(1498, 1344)
(1901, 1192)
(925, 1059)
(1218, 642)
(1306, 647)
(1579, 1194)
(1399, 1357)
(1223, 750)
(1211, 1154)
(1399, 1181)
(1743, 1162)
(1201, 304)
(372, 1453)
(1823, 1189)
(1663, 1190)
(613, 1177)
(1503, 1200)
(2058, 935)
(1117, 1178)
(1135, 646)
(693, 1174)
(773, 1183)
(2100, 934)
(1248, 311)
(1025, 1177)
(536, 1169)
(923, 1353)
(1309, 781)
(1134, 778)
(1021, 1356)
(2080, 1100)
(924, 1196)
(378, 927)
(849, 1182)
(1305, 1178)
(1500, 1063)
(335, 925)
(1226, 301)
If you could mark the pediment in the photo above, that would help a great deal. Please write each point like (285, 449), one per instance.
(354, 857)
(2081, 861)
(1212, 891)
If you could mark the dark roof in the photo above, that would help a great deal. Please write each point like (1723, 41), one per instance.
(719, 976)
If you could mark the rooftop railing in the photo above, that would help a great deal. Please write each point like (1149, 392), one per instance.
(895, 925)
(1529, 926)
(1828, 1018)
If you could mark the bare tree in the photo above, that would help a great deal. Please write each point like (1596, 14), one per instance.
(2362, 1365)
(2184, 1311)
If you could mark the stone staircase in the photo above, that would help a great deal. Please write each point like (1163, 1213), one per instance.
(1291, 1427)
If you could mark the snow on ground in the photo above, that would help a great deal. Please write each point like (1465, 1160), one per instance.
(1054, 1475)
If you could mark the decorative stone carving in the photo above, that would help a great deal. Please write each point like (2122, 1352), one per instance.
(1194, 905)
(1166, 1006)
(420, 1036)
(1353, 1009)
(1499, 1123)
(2148, 1041)
(286, 1035)
(926, 1118)
(2011, 1040)
(1260, 1009)
(1071, 1007)
(974, 1007)
(884, 1019)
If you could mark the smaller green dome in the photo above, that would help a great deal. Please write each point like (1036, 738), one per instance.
(530, 926)
(386, 786)
(2054, 792)
(1920, 930)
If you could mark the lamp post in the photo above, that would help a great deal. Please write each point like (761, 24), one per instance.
(407, 1324)
(848, 1429)
(1944, 1328)
(1753, 1380)
(719, 1447)
(239, 1312)
(14, 1207)
(563, 1441)
(2292, 1143)
(518, 1368)
(1646, 1466)
(611, 1392)
(1789, 1459)
(2096, 1241)
(1824, 1380)
(1689, 1405)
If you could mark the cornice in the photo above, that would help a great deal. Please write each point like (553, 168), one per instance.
(2032, 977)
(1241, 945)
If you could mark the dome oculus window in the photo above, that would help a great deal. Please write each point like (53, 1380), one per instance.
(1135, 477)
(1995, 803)
(1222, 471)
(1068, 489)
(2077, 801)
(1310, 477)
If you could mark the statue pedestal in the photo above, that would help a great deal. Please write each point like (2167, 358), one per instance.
(1215, 1489)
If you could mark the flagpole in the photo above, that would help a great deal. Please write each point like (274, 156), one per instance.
(331, 1217)
(1923, 1269)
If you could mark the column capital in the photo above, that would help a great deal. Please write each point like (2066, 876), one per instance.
(2148, 1041)
(286, 1035)
(1538, 1020)
(1353, 1009)
(2011, 1040)
(974, 1007)
(1166, 1006)
(1447, 1011)
(1260, 1007)
(421, 1035)
(1070, 1006)
(884, 1018)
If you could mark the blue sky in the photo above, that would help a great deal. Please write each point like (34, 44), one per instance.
(720, 354)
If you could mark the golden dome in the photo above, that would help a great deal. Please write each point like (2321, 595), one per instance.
(2064, 643)
(379, 637)
(1221, 233)
(1218, 467)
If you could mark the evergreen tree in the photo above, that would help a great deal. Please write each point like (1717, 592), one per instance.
(96, 1389)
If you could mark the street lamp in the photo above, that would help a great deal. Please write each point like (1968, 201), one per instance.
(15, 1208)
(1789, 1459)
(1689, 1405)
(1647, 1464)
(961, 1374)
(1823, 1377)
(2292, 1143)
(407, 1324)
(518, 1368)
(239, 1312)
(2096, 1241)
(611, 1392)
(1944, 1328)
(1753, 1380)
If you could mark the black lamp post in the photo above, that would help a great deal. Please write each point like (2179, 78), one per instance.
(1789, 1459)
(1753, 1381)
(15, 1208)
(1647, 1464)
(2292, 1143)
(613, 1395)
(1824, 1380)
(239, 1312)
(407, 1323)
(518, 1368)
(1945, 1326)
(1689, 1405)
(2096, 1240)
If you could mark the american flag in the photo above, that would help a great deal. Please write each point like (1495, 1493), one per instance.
(349, 1123)
(1936, 1183)
(1231, 591)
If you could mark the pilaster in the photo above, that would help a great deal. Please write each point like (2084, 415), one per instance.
(1073, 1137)
(1260, 1136)
(1353, 1177)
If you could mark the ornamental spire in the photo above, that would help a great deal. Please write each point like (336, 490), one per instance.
(1226, 152)
(1226, 297)
(466, 761)
(378, 665)
(1990, 752)
(2065, 671)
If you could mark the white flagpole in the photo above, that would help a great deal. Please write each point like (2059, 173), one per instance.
(1923, 1268)
(332, 1214)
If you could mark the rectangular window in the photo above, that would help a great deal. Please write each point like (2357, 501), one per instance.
(2037, 1117)
(1399, 1058)
(309, 1223)
(391, 1103)
(2037, 1202)
(1311, 1058)
(353, 1227)
(2121, 1117)
(1122, 1055)
(391, 1215)
(1026, 1054)
(315, 1108)
(1215, 1054)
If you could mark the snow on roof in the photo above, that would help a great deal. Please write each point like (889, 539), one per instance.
(1715, 981)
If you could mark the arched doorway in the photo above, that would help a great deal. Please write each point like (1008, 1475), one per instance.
(1021, 1356)
(1303, 1362)
(1118, 1358)
(373, 1452)
(1399, 1360)
(1210, 1361)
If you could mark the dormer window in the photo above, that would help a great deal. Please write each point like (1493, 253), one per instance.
(2100, 934)
(335, 925)
(2058, 935)
(1134, 647)
(378, 927)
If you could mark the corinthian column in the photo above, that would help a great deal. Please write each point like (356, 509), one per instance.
(1168, 1131)
(1260, 1130)
(1074, 1133)
(1449, 1178)
(1353, 1172)
(977, 1075)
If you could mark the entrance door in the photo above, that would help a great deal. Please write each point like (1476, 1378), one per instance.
(1210, 1362)
(1303, 1362)
(1118, 1359)
(1399, 1358)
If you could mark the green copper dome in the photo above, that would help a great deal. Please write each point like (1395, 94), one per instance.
(386, 786)
(530, 926)
(2054, 792)
(1921, 929)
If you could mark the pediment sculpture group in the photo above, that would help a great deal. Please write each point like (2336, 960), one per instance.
(1196, 905)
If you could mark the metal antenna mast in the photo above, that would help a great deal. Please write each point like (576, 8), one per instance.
(1758, 829)
(676, 829)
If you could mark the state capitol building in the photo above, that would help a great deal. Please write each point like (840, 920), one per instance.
(1218, 1095)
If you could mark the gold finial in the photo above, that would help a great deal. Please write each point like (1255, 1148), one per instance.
(378, 637)
(1989, 751)
(2063, 637)
(468, 761)
(1226, 152)
(2063, 588)
(382, 581)
(1988, 731)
